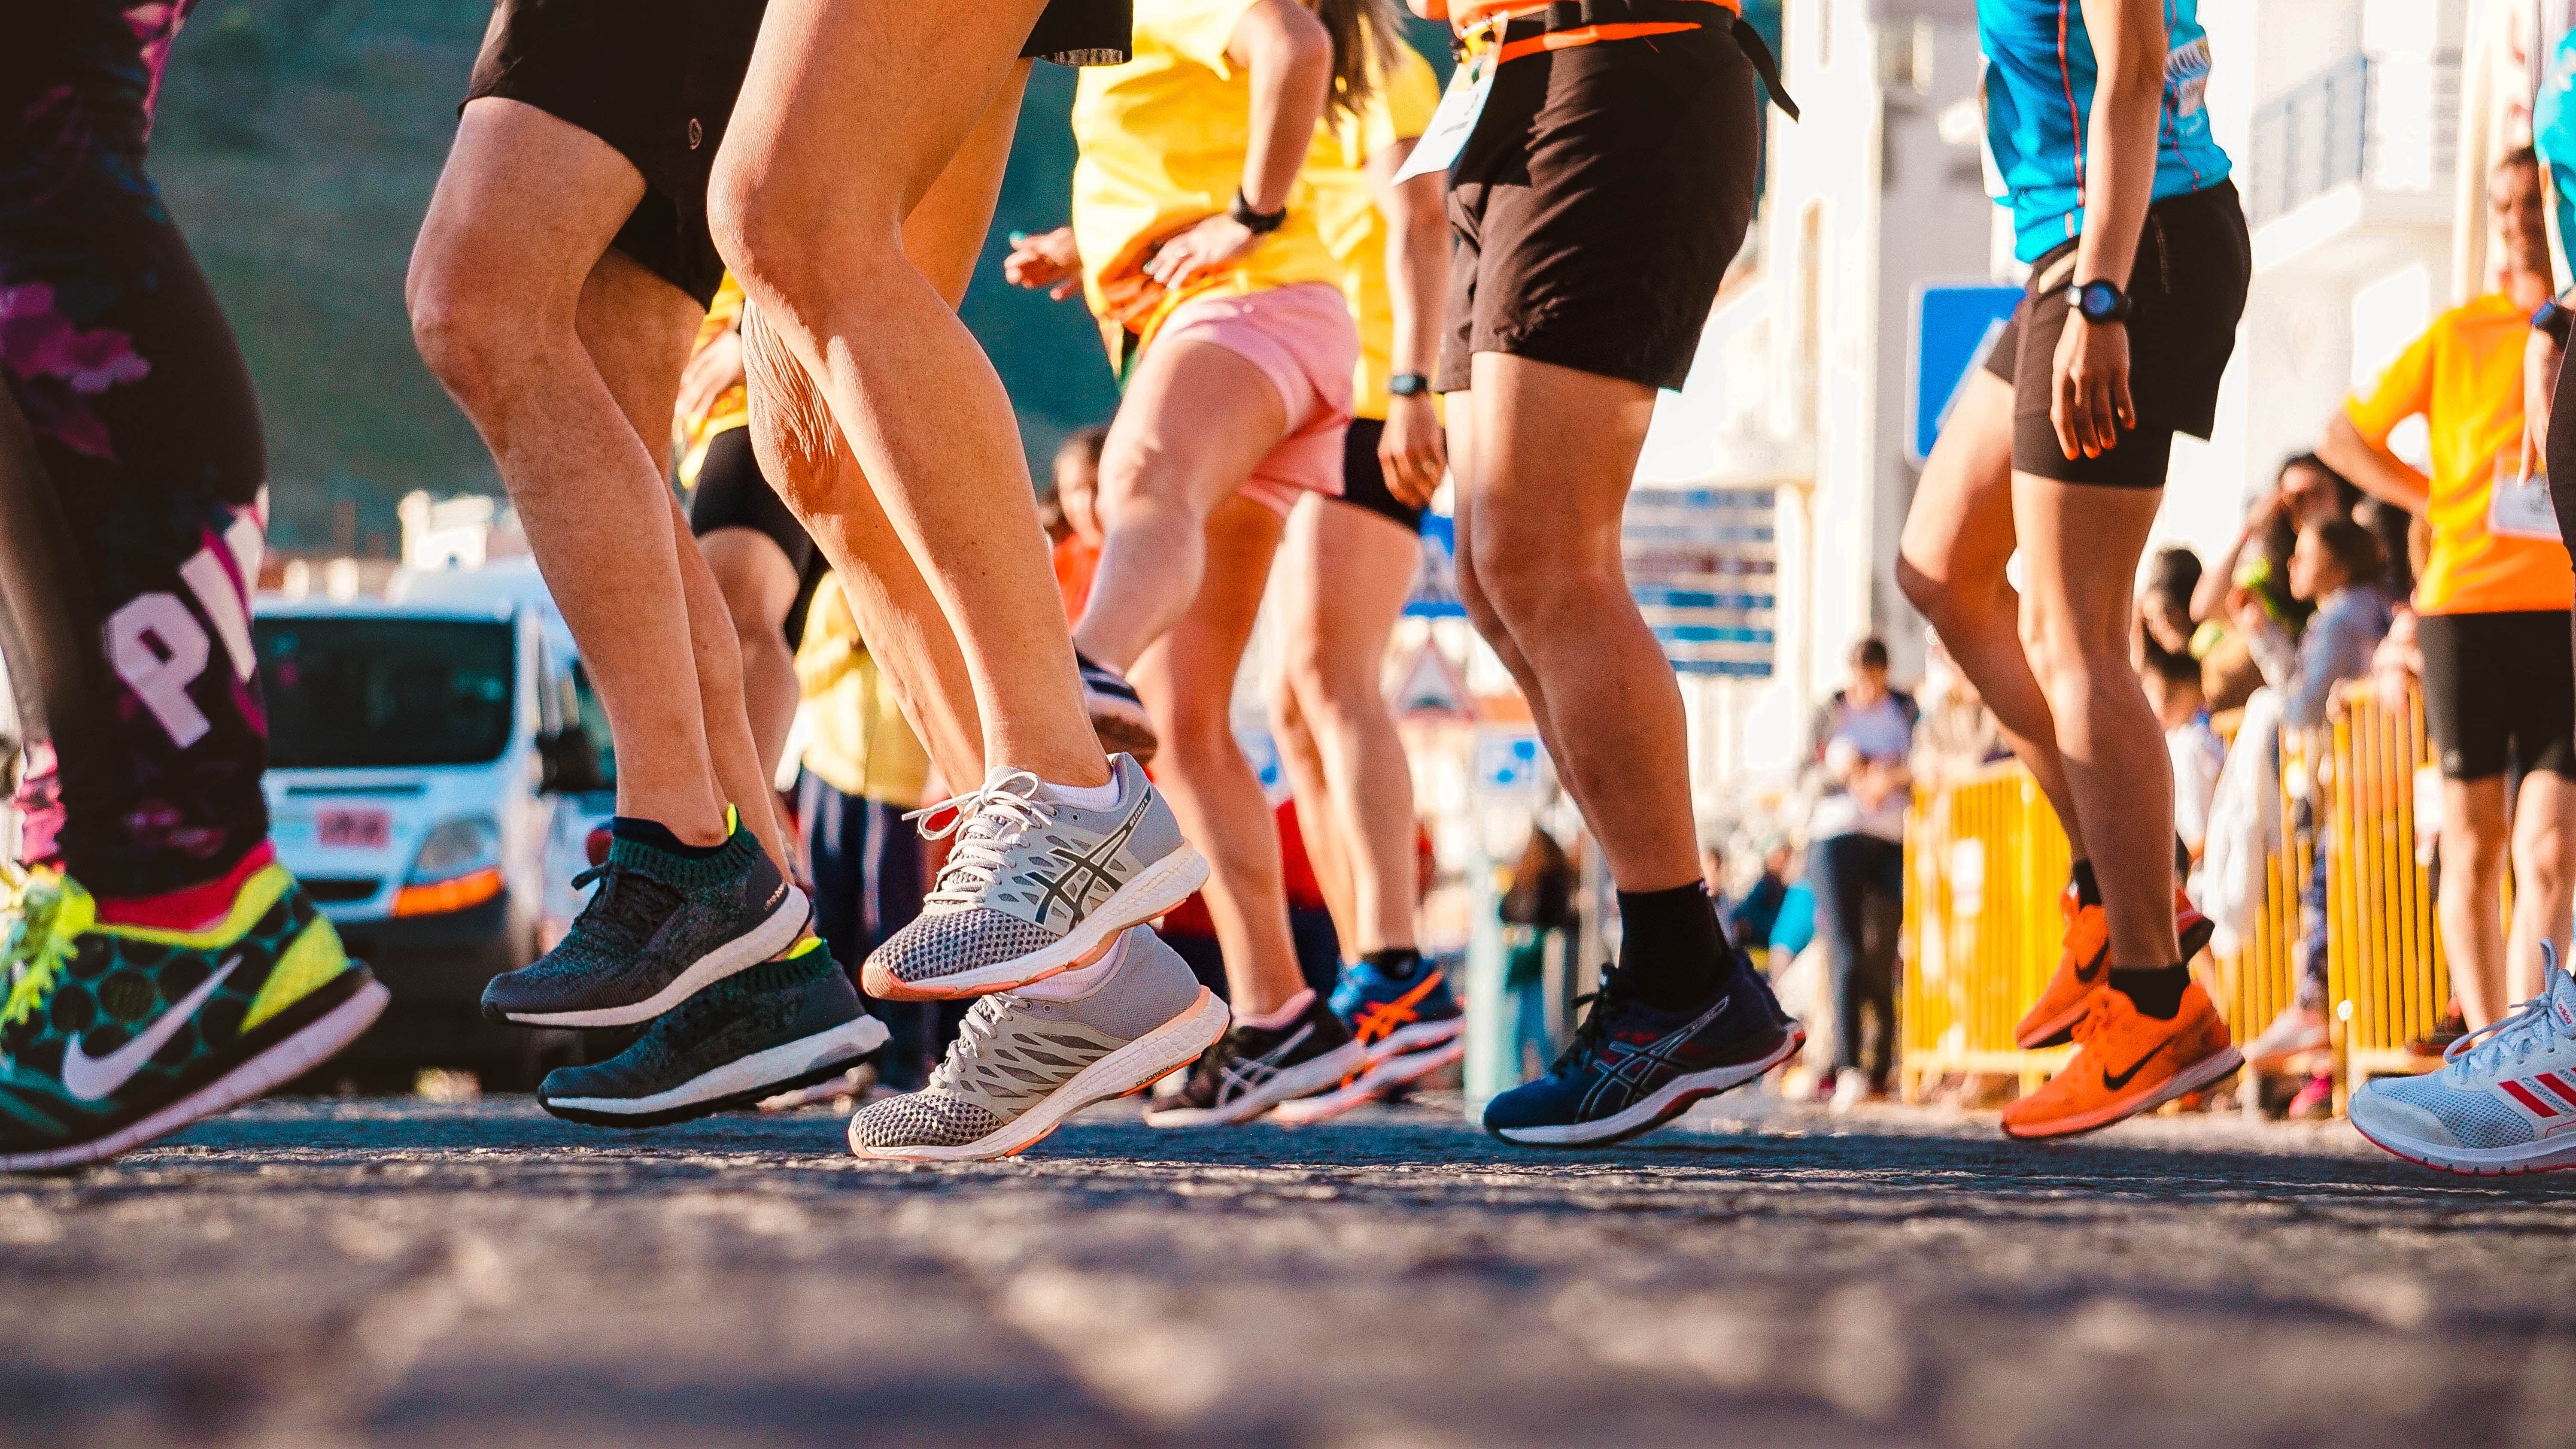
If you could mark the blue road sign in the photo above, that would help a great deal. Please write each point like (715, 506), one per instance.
(1953, 329)
(1435, 589)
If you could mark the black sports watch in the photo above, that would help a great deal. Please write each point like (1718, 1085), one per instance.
(2098, 301)
(2554, 318)
(1408, 384)
(1259, 223)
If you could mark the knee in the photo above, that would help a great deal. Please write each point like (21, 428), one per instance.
(473, 338)
(1530, 585)
(1481, 613)
(786, 239)
(2545, 858)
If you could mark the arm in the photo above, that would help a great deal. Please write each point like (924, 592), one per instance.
(2218, 580)
(1417, 268)
(1289, 56)
(2090, 402)
(1048, 260)
(2372, 468)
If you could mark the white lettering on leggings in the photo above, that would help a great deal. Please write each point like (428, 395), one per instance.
(158, 650)
(212, 583)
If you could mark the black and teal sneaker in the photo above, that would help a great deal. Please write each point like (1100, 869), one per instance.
(115, 1035)
(1633, 1067)
(660, 928)
(781, 1025)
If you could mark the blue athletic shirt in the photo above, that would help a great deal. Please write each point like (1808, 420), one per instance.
(2039, 94)
(2553, 135)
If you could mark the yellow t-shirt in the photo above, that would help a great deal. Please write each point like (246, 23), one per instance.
(689, 435)
(857, 742)
(1346, 213)
(1162, 141)
(2464, 375)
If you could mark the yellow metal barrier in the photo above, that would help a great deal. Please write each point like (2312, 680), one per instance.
(1987, 862)
(2385, 976)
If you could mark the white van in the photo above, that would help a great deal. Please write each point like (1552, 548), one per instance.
(425, 751)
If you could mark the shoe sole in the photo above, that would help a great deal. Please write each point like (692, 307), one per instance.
(773, 935)
(288, 1059)
(740, 1083)
(1302, 1080)
(1132, 1068)
(2546, 1155)
(2060, 1030)
(2190, 1079)
(1156, 889)
(1386, 1075)
(1669, 1101)
(1121, 732)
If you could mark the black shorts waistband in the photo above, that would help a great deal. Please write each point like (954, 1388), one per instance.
(1580, 14)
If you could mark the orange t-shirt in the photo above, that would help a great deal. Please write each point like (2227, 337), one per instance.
(2464, 376)
(1075, 563)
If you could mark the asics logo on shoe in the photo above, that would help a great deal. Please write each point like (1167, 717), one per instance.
(2116, 1081)
(90, 1078)
(1629, 1072)
(1085, 872)
(1384, 1018)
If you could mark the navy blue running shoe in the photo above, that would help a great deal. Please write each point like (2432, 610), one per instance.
(1633, 1067)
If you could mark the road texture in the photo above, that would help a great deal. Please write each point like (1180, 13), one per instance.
(399, 1272)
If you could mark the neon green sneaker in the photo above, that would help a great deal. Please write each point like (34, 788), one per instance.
(114, 1035)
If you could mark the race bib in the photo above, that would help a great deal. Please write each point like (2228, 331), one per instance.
(1455, 121)
(2519, 507)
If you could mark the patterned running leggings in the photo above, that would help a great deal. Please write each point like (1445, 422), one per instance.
(133, 496)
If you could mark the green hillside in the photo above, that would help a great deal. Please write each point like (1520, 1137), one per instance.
(298, 143)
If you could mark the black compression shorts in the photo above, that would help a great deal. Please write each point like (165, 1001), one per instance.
(657, 80)
(2186, 291)
(1600, 201)
(732, 493)
(2499, 691)
(1364, 477)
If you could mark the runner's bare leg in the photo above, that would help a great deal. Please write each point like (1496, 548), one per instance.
(850, 114)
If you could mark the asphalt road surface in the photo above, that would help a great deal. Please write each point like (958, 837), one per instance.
(400, 1272)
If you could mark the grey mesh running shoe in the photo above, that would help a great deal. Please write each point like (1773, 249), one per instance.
(1034, 886)
(1021, 1064)
(780, 1025)
(659, 929)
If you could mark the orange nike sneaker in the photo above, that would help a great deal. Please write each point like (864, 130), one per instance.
(2051, 1020)
(2128, 1062)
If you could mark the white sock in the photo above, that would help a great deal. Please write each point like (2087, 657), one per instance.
(1081, 980)
(1086, 797)
(1288, 1012)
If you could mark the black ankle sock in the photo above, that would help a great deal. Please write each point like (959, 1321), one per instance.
(1672, 952)
(2088, 891)
(658, 835)
(2157, 990)
(1399, 962)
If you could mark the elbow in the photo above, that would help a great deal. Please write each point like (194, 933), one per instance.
(1295, 46)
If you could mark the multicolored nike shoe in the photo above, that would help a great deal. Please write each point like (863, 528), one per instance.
(1404, 1017)
(778, 1026)
(113, 1035)
(2503, 1101)
(1633, 1067)
(2083, 964)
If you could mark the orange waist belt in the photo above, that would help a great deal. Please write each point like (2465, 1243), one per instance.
(1590, 34)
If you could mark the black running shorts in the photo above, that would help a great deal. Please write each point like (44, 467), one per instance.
(2499, 692)
(732, 493)
(1599, 202)
(1364, 477)
(657, 80)
(2186, 291)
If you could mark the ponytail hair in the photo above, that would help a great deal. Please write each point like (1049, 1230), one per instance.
(1364, 33)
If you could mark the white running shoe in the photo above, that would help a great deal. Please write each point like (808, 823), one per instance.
(2503, 1101)
(1021, 1064)
(1035, 886)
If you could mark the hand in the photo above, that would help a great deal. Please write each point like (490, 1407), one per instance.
(1212, 243)
(2089, 402)
(2246, 608)
(1047, 260)
(1413, 450)
(715, 371)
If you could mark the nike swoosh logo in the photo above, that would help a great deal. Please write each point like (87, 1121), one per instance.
(89, 1078)
(2121, 1080)
(2088, 972)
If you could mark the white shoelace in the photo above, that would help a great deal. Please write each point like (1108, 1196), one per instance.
(987, 823)
(2531, 1025)
(982, 1023)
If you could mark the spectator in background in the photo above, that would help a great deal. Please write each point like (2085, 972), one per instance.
(1538, 903)
(2492, 609)
(1858, 745)
(2165, 623)
(1077, 492)
(1956, 734)
(2191, 742)
(2334, 570)
(1749, 922)
(1712, 872)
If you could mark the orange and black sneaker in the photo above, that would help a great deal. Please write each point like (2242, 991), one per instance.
(2127, 1062)
(2081, 966)
(1401, 1009)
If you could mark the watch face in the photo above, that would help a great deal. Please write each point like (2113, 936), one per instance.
(2100, 299)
